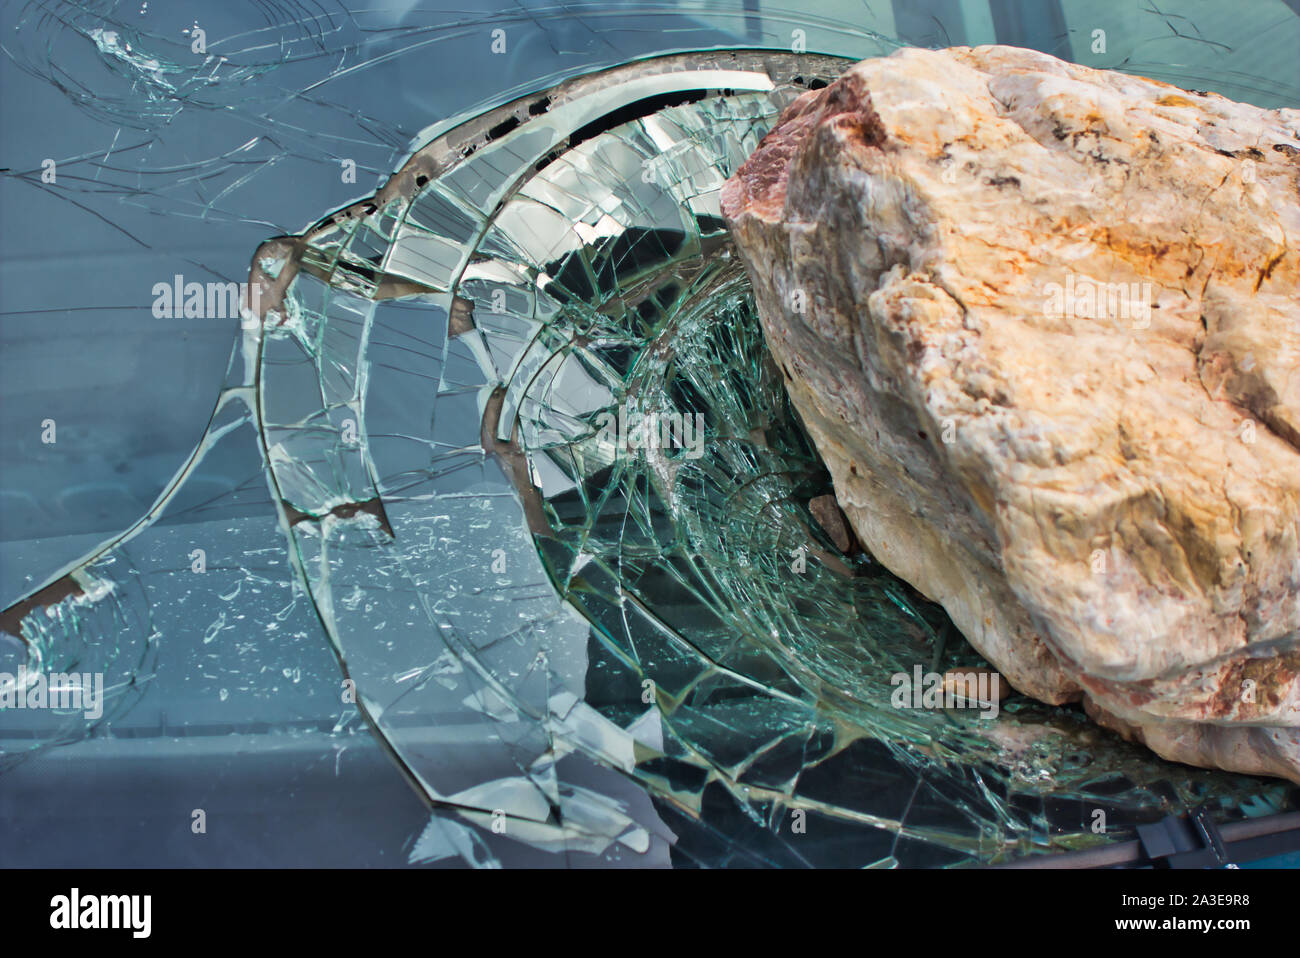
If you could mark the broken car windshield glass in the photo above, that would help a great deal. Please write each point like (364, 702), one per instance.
(501, 472)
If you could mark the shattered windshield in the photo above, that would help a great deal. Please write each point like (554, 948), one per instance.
(497, 487)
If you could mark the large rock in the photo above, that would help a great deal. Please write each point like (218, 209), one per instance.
(1042, 323)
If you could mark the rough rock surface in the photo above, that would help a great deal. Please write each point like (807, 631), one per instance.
(1042, 322)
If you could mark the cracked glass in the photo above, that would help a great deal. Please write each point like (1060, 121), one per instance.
(501, 481)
